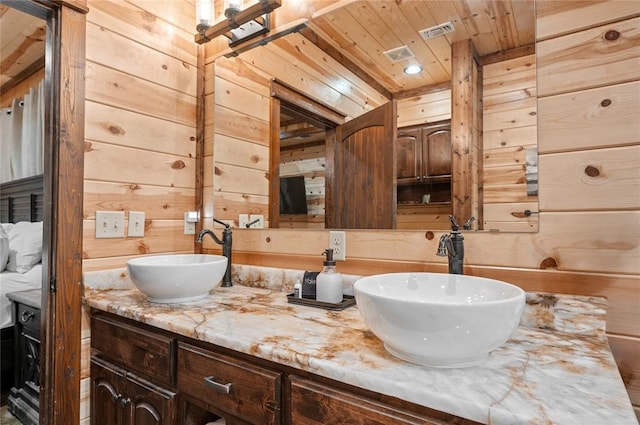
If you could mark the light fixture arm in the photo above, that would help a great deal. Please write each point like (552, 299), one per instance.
(236, 19)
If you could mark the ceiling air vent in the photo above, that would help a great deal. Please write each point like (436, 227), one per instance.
(437, 31)
(399, 53)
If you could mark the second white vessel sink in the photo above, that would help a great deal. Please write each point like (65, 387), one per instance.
(440, 320)
(177, 278)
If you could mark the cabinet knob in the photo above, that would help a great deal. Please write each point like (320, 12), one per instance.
(27, 315)
(217, 386)
(125, 401)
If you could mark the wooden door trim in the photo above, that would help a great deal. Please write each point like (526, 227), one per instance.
(63, 195)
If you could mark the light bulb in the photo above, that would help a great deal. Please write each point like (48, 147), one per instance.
(204, 14)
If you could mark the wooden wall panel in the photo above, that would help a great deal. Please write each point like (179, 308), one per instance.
(594, 57)
(510, 130)
(556, 18)
(602, 179)
(122, 127)
(423, 109)
(600, 117)
(140, 144)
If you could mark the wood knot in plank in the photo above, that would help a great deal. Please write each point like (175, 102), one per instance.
(429, 235)
(115, 130)
(605, 103)
(88, 147)
(255, 159)
(178, 165)
(142, 247)
(611, 35)
(549, 263)
(134, 186)
(217, 171)
(591, 171)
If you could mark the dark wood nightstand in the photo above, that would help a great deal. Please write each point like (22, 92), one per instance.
(23, 400)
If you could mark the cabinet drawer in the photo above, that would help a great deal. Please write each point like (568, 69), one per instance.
(248, 392)
(29, 318)
(316, 404)
(148, 353)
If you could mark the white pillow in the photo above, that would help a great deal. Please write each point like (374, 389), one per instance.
(7, 227)
(25, 246)
(4, 248)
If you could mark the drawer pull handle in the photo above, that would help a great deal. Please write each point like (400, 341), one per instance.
(27, 315)
(216, 386)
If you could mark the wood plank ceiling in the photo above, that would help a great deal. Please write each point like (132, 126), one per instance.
(22, 45)
(363, 30)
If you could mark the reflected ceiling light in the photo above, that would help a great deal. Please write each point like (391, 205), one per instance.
(413, 69)
(240, 24)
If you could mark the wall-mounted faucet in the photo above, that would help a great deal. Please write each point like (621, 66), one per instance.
(226, 248)
(452, 246)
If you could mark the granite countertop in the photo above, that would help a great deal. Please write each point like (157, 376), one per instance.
(556, 369)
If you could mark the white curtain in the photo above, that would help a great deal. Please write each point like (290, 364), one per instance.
(23, 136)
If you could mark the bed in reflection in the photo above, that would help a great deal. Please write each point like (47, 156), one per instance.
(21, 235)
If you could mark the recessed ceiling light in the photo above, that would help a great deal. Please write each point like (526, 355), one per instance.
(413, 69)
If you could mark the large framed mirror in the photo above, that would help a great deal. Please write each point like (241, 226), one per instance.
(339, 60)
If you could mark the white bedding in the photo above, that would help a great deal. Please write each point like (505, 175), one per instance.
(11, 282)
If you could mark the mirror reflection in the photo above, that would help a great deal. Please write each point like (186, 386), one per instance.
(352, 60)
(22, 120)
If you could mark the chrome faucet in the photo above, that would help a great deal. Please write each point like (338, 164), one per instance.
(226, 248)
(452, 246)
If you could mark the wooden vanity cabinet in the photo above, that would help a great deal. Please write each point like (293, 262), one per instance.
(126, 359)
(235, 387)
(141, 375)
(119, 397)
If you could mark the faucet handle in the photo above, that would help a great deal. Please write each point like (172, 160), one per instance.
(467, 225)
(454, 223)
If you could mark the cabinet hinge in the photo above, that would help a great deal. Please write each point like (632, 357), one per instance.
(52, 284)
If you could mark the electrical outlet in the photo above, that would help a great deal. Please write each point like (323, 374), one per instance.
(189, 224)
(243, 219)
(136, 224)
(109, 224)
(259, 224)
(338, 242)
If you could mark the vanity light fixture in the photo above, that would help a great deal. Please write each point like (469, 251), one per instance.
(413, 69)
(239, 24)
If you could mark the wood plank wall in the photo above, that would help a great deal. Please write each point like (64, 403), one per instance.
(140, 124)
(588, 239)
(510, 130)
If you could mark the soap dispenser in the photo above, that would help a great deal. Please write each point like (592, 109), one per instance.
(329, 281)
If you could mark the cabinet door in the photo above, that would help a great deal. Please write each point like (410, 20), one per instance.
(147, 404)
(105, 394)
(437, 152)
(408, 155)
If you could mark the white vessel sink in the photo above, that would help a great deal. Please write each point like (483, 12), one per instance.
(177, 278)
(439, 320)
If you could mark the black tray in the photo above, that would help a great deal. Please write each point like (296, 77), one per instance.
(347, 301)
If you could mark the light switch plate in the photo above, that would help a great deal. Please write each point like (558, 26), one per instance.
(136, 224)
(109, 224)
(243, 219)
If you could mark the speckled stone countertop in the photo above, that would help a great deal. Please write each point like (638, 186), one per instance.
(556, 369)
